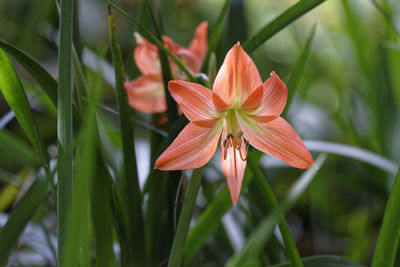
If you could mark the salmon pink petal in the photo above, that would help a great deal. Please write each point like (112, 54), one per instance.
(267, 99)
(192, 149)
(146, 56)
(146, 93)
(238, 76)
(171, 45)
(233, 167)
(195, 100)
(199, 44)
(190, 60)
(280, 140)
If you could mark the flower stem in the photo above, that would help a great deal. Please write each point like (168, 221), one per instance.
(176, 256)
(272, 203)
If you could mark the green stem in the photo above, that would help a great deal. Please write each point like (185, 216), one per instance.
(272, 203)
(155, 40)
(65, 133)
(176, 256)
(389, 235)
(287, 17)
(132, 193)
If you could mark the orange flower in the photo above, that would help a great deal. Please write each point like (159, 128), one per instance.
(146, 93)
(242, 110)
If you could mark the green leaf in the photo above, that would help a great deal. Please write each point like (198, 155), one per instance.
(172, 109)
(16, 98)
(176, 256)
(261, 233)
(209, 220)
(215, 35)
(79, 232)
(17, 149)
(20, 216)
(207, 223)
(272, 203)
(79, 78)
(64, 131)
(148, 35)
(42, 77)
(287, 17)
(323, 260)
(389, 234)
(134, 201)
(298, 70)
(102, 217)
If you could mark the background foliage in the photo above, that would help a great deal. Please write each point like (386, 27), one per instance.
(340, 60)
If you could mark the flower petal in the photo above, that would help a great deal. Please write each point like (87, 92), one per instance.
(233, 167)
(146, 93)
(268, 99)
(237, 77)
(280, 140)
(199, 43)
(171, 45)
(146, 56)
(192, 149)
(196, 101)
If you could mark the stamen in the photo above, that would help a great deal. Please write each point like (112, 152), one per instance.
(225, 152)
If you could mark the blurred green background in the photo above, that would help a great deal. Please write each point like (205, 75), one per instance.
(349, 94)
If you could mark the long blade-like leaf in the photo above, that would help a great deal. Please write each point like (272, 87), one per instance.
(323, 260)
(272, 203)
(42, 77)
(209, 220)
(155, 40)
(17, 149)
(176, 256)
(172, 109)
(260, 235)
(20, 216)
(287, 17)
(78, 234)
(15, 96)
(389, 235)
(64, 130)
(133, 193)
(215, 36)
(298, 70)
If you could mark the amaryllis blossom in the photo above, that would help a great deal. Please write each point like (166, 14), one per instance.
(146, 93)
(242, 110)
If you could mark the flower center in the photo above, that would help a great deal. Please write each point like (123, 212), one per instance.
(233, 138)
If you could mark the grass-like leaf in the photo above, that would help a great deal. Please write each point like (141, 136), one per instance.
(287, 17)
(209, 220)
(295, 76)
(323, 260)
(64, 130)
(20, 216)
(15, 96)
(137, 242)
(272, 203)
(261, 233)
(42, 77)
(215, 36)
(176, 256)
(172, 109)
(79, 78)
(79, 232)
(389, 235)
(17, 149)
(148, 35)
